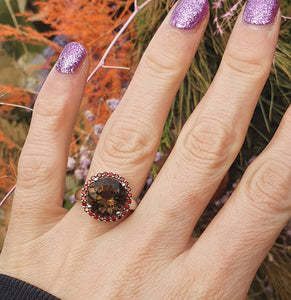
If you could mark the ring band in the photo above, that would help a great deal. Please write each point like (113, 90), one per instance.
(107, 197)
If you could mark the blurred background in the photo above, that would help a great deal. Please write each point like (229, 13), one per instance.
(32, 35)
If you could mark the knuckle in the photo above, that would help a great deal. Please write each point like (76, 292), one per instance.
(33, 169)
(268, 187)
(128, 143)
(208, 142)
(52, 113)
(158, 66)
(244, 64)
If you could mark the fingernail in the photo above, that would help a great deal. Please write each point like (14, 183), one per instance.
(71, 58)
(260, 12)
(189, 13)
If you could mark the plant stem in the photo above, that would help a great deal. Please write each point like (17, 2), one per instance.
(102, 61)
(16, 105)
(101, 64)
(7, 195)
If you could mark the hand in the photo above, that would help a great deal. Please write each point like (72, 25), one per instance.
(150, 254)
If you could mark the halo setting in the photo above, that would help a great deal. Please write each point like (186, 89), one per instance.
(106, 197)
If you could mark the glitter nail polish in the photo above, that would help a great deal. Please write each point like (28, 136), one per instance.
(189, 13)
(70, 58)
(260, 12)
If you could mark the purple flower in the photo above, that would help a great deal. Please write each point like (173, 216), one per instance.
(158, 156)
(85, 161)
(71, 163)
(98, 130)
(149, 179)
(80, 174)
(72, 199)
(89, 115)
(269, 289)
(112, 103)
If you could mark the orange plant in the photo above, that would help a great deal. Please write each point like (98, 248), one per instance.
(94, 24)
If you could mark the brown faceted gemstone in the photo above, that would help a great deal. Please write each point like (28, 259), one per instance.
(107, 197)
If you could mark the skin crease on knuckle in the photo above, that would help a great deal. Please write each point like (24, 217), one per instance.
(160, 68)
(208, 143)
(267, 187)
(128, 144)
(46, 113)
(34, 169)
(245, 66)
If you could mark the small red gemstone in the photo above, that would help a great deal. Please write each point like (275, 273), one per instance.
(113, 218)
(116, 176)
(110, 175)
(124, 212)
(96, 217)
(91, 214)
(128, 201)
(105, 173)
(93, 177)
(99, 175)
(108, 219)
(84, 204)
(121, 179)
(119, 217)
(101, 219)
(129, 195)
(126, 206)
(89, 183)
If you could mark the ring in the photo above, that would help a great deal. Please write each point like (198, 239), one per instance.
(107, 197)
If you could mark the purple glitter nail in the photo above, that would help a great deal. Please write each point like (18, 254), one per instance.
(261, 12)
(189, 13)
(71, 58)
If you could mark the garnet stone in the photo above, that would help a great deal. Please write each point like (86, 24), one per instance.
(107, 196)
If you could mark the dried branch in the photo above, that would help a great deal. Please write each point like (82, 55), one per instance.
(137, 8)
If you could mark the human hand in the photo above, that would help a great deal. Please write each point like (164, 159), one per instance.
(150, 254)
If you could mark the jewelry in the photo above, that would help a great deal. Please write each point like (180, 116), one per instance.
(107, 197)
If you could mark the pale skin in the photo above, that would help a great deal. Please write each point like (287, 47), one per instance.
(150, 254)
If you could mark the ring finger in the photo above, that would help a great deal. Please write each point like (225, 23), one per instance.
(131, 136)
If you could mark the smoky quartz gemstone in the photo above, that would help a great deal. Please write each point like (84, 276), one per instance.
(106, 197)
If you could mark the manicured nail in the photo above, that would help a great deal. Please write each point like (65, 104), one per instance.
(71, 58)
(189, 13)
(261, 12)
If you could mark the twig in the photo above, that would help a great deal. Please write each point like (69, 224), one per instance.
(7, 195)
(115, 67)
(101, 64)
(286, 18)
(16, 105)
(102, 61)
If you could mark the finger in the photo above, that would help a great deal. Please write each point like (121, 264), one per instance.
(131, 137)
(42, 165)
(245, 229)
(213, 135)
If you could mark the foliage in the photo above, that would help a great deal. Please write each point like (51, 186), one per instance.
(91, 23)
